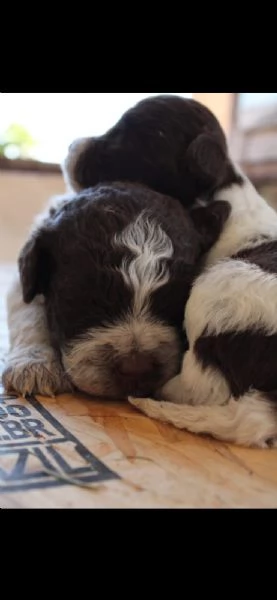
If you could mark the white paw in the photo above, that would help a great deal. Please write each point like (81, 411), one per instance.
(151, 408)
(35, 372)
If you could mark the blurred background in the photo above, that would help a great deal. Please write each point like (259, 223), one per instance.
(36, 130)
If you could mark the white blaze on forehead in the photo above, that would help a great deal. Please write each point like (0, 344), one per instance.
(147, 271)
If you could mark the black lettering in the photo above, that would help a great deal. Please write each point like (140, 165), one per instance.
(18, 470)
(15, 430)
(59, 459)
(65, 466)
(4, 398)
(19, 430)
(3, 474)
(36, 427)
(40, 453)
(16, 410)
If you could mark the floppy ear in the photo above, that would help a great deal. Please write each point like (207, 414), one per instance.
(35, 266)
(83, 163)
(209, 221)
(207, 158)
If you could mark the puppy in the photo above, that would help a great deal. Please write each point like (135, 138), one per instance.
(228, 383)
(174, 145)
(104, 279)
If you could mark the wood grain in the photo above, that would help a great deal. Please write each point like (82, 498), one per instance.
(146, 464)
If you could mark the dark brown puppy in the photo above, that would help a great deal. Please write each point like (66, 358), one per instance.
(174, 145)
(115, 265)
(177, 148)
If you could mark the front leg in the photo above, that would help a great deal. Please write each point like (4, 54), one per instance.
(32, 365)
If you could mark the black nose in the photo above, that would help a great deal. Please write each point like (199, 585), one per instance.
(135, 365)
(137, 374)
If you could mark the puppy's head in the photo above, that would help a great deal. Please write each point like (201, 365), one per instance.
(116, 275)
(174, 145)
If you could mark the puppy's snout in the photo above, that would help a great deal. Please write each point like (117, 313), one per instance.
(137, 374)
(135, 365)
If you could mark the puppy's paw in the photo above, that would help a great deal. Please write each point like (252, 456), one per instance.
(148, 406)
(35, 371)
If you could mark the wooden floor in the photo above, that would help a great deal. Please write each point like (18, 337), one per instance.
(77, 452)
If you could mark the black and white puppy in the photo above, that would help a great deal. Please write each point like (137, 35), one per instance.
(228, 383)
(104, 279)
(173, 145)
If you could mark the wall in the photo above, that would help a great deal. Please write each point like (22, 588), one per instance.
(221, 104)
(22, 195)
(269, 192)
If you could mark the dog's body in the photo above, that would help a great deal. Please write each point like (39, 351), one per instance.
(174, 145)
(231, 309)
(104, 279)
(228, 382)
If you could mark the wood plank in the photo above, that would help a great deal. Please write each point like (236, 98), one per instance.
(141, 462)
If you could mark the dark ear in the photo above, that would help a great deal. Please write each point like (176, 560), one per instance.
(35, 266)
(207, 158)
(209, 221)
(82, 166)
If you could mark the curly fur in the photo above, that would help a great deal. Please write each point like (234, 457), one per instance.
(173, 145)
(176, 147)
(228, 382)
(104, 281)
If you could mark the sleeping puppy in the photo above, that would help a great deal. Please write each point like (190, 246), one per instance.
(104, 279)
(173, 145)
(228, 382)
